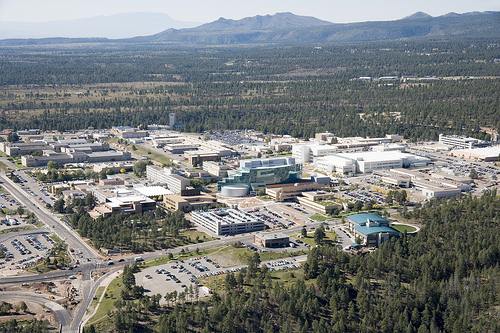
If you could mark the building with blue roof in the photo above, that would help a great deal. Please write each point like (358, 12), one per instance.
(371, 228)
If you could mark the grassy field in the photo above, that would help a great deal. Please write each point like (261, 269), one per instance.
(112, 295)
(319, 217)
(404, 227)
(286, 276)
(331, 238)
(95, 301)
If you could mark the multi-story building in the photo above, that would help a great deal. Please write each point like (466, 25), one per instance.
(256, 173)
(227, 221)
(460, 141)
(217, 169)
(307, 152)
(162, 176)
(127, 205)
(187, 203)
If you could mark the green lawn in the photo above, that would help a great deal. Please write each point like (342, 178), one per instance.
(331, 237)
(113, 293)
(319, 217)
(403, 227)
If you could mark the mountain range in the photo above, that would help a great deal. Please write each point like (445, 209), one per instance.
(288, 28)
(124, 25)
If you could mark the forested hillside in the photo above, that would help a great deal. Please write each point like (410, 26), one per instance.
(444, 279)
(288, 90)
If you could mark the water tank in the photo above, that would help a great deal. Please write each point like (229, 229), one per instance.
(235, 190)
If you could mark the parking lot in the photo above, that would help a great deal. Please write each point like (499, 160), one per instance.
(22, 252)
(179, 275)
(283, 215)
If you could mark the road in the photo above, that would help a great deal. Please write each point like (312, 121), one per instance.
(89, 287)
(60, 228)
(62, 315)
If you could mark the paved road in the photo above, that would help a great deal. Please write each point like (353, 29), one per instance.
(60, 228)
(62, 315)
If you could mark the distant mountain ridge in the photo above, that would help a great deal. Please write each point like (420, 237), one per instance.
(276, 21)
(125, 25)
(288, 28)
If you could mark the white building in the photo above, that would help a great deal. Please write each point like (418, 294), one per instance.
(164, 176)
(336, 164)
(366, 162)
(227, 221)
(306, 152)
(459, 141)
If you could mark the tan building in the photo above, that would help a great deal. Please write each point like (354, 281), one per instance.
(111, 182)
(128, 205)
(190, 202)
(271, 240)
(283, 192)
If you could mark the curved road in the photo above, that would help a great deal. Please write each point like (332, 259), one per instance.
(62, 315)
(89, 287)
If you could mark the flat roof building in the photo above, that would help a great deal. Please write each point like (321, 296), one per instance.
(256, 173)
(307, 152)
(187, 203)
(127, 205)
(460, 141)
(488, 154)
(272, 240)
(227, 221)
(367, 162)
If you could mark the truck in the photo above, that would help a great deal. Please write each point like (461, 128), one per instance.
(138, 259)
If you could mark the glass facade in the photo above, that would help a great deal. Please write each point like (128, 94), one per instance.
(260, 174)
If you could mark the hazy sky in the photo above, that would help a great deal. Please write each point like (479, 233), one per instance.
(337, 11)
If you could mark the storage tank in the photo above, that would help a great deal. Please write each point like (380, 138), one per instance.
(235, 190)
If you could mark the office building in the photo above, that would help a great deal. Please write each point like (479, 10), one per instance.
(187, 203)
(227, 221)
(307, 152)
(460, 141)
(257, 173)
(272, 240)
(171, 118)
(371, 228)
(127, 205)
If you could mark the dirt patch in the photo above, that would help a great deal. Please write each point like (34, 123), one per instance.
(33, 311)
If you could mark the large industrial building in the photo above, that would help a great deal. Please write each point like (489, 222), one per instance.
(257, 173)
(366, 162)
(488, 154)
(371, 228)
(431, 185)
(227, 221)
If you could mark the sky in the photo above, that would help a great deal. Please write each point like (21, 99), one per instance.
(336, 11)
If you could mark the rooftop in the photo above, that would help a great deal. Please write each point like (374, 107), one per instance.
(363, 217)
(374, 230)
